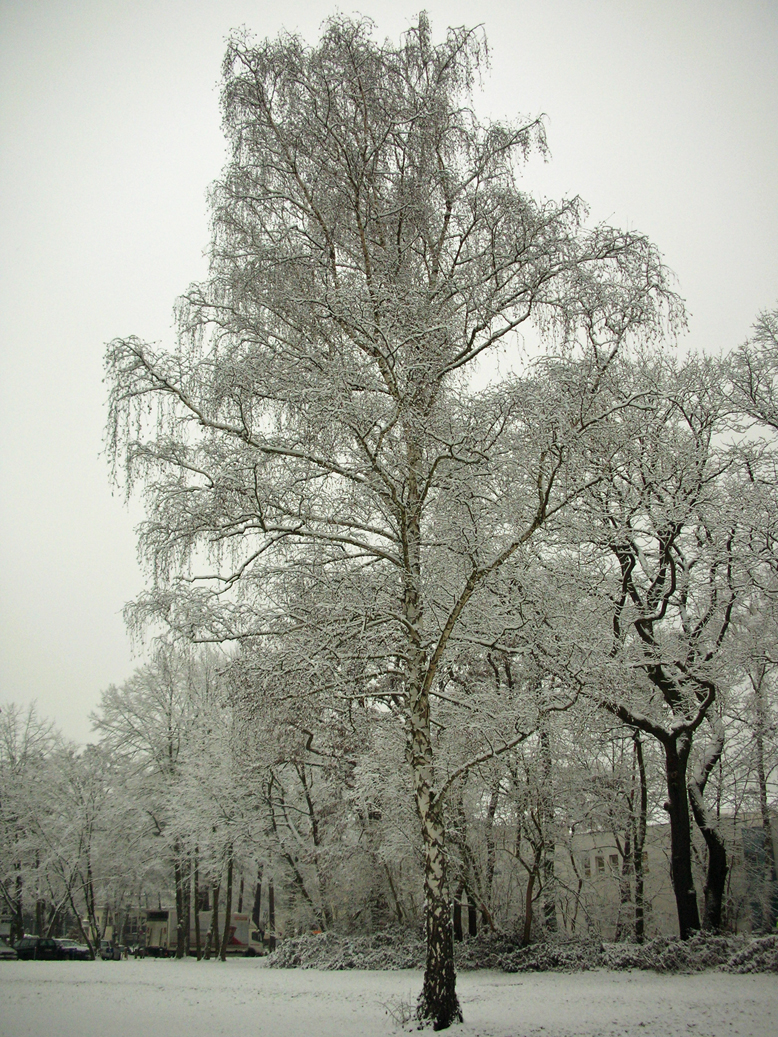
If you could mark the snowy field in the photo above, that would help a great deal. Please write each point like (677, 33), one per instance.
(243, 999)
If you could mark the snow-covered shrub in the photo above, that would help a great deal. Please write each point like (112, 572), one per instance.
(386, 950)
(557, 956)
(702, 952)
(759, 955)
(404, 949)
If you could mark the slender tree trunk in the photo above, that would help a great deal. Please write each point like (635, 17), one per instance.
(475, 877)
(257, 906)
(491, 847)
(215, 916)
(546, 813)
(291, 860)
(397, 905)
(89, 897)
(639, 842)
(187, 904)
(196, 893)
(324, 917)
(271, 913)
(526, 935)
(625, 919)
(17, 915)
(54, 920)
(183, 881)
(579, 887)
(212, 939)
(623, 926)
(549, 892)
(770, 878)
(123, 929)
(179, 898)
(240, 895)
(472, 916)
(458, 914)
(87, 932)
(40, 903)
(88, 891)
(676, 760)
(228, 903)
(464, 898)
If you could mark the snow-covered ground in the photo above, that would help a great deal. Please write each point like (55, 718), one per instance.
(243, 999)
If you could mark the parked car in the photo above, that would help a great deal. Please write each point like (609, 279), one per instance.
(108, 952)
(7, 953)
(39, 948)
(75, 951)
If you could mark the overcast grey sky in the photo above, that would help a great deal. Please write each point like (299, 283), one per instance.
(662, 114)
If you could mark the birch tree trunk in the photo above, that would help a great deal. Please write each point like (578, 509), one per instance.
(438, 1000)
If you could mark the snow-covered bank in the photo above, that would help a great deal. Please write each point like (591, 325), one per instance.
(243, 999)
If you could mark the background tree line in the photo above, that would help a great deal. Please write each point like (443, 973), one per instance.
(638, 665)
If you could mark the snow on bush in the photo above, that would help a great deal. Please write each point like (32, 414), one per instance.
(393, 949)
(399, 949)
(554, 957)
(757, 956)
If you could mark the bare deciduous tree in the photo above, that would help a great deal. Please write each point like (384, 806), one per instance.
(666, 522)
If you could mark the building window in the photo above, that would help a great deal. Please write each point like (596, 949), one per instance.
(587, 867)
(600, 864)
(614, 861)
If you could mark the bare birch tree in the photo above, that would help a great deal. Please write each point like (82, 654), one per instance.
(371, 247)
